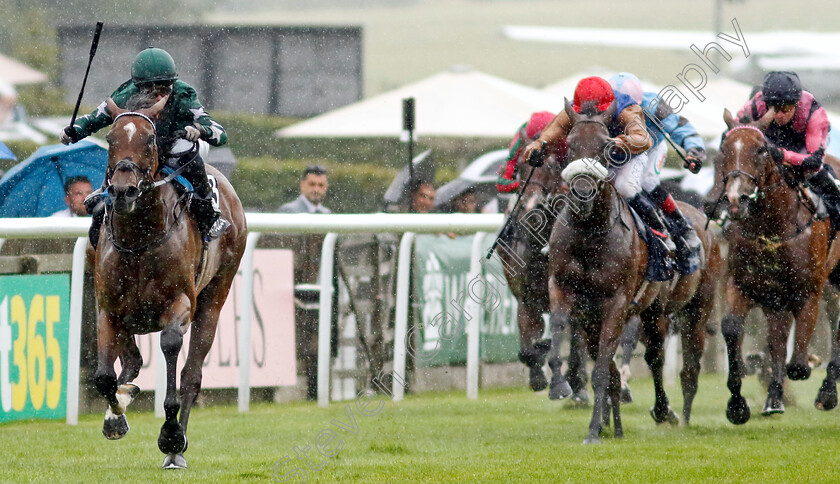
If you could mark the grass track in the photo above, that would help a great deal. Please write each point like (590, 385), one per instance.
(508, 435)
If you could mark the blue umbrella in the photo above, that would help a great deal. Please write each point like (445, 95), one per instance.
(35, 186)
(6, 153)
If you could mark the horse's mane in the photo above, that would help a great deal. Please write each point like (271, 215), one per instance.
(141, 100)
(589, 109)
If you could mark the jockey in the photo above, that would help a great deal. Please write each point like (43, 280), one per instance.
(153, 74)
(797, 135)
(662, 121)
(629, 135)
(526, 133)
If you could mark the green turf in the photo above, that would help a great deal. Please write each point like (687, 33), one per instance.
(508, 435)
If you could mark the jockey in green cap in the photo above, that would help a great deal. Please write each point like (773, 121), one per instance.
(182, 124)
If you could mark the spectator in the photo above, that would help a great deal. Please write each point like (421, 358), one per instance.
(466, 202)
(76, 188)
(313, 189)
(422, 196)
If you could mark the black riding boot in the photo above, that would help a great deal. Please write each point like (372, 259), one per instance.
(647, 211)
(823, 184)
(687, 242)
(95, 206)
(204, 207)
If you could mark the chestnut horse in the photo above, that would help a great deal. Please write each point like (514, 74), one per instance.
(150, 276)
(596, 279)
(521, 250)
(779, 259)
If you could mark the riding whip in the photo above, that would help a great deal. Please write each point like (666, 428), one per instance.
(536, 156)
(93, 46)
(677, 148)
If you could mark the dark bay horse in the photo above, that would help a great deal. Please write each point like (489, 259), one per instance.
(780, 257)
(150, 276)
(525, 264)
(596, 279)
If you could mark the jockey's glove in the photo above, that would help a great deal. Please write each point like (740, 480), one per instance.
(694, 159)
(776, 153)
(537, 157)
(814, 161)
(192, 134)
(68, 135)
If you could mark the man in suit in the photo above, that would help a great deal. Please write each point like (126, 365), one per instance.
(313, 189)
(307, 249)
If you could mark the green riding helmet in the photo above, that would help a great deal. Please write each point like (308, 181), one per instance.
(153, 65)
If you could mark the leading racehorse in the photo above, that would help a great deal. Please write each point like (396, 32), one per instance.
(597, 279)
(154, 273)
(779, 259)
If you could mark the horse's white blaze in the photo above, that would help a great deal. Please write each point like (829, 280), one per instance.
(732, 194)
(738, 145)
(130, 129)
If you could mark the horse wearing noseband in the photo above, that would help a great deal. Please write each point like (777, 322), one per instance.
(152, 273)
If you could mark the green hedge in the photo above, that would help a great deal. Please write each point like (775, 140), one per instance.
(263, 184)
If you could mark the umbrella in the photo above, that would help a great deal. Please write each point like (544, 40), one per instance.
(424, 169)
(6, 153)
(35, 187)
(480, 175)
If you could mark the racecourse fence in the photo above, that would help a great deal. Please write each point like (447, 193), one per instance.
(330, 224)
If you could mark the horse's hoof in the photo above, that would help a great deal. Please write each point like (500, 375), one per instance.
(738, 410)
(537, 379)
(591, 440)
(559, 389)
(115, 426)
(172, 439)
(773, 405)
(827, 397)
(798, 372)
(174, 461)
(670, 416)
(626, 395)
(580, 397)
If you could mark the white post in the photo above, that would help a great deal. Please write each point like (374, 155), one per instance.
(670, 370)
(475, 310)
(77, 282)
(247, 303)
(160, 376)
(325, 279)
(401, 322)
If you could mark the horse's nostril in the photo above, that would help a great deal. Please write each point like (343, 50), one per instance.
(132, 193)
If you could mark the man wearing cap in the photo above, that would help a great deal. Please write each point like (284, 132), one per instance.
(628, 135)
(181, 125)
(797, 134)
(662, 121)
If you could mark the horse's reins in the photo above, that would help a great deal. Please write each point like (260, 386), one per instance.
(144, 186)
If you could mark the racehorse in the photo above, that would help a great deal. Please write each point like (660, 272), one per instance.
(526, 271)
(596, 279)
(780, 257)
(153, 273)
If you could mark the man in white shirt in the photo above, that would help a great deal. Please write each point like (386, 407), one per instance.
(76, 188)
(313, 189)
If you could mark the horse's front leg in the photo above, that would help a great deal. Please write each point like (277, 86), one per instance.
(614, 316)
(111, 341)
(806, 320)
(732, 328)
(172, 439)
(778, 327)
(654, 329)
(827, 396)
(561, 305)
(532, 348)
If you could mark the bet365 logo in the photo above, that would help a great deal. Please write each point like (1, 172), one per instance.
(30, 353)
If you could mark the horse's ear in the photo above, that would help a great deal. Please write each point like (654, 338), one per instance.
(157, 107)
(765, 120)
(728, 119)
(608, 113)
(570, 111)
(113, 108)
